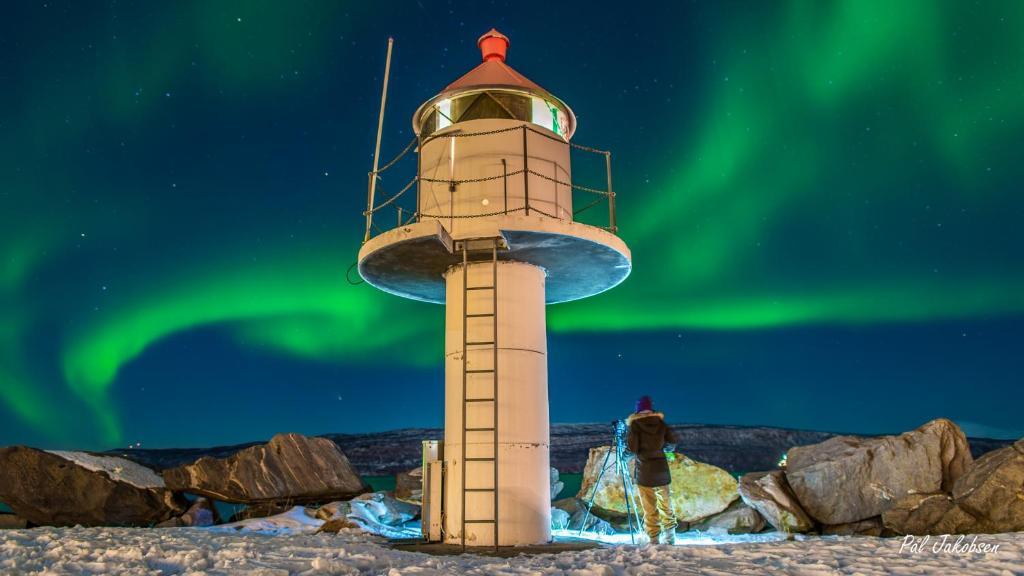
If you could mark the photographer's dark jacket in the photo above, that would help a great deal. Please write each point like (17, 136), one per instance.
(648, 435)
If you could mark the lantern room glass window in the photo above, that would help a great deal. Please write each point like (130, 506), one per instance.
(496, 105)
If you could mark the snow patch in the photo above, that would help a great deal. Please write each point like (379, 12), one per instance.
(116, 468)
(59, 551)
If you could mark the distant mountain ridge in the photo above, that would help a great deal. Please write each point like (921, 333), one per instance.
(734, 448)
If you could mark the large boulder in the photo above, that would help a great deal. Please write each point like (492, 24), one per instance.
(992, 491)
(698, 490)
(989, 498)
(291, 468)
(770, 494)
(845, 479)
(738, 518)
(69, 488)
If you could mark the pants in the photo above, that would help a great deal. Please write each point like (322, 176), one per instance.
(658, 515)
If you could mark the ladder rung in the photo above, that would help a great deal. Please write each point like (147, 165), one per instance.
(479, 429)
(478, 521)
(480, 343)
(479, 489)
(488, 315)
(479, 399)
(480, 288)
(479, 371)
(479, 459)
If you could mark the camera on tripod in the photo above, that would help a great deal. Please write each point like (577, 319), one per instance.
(624, 473)
(621, 430)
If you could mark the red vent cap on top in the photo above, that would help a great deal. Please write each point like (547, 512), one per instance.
(493, 45)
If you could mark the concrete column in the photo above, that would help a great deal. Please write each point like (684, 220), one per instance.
(524, 512)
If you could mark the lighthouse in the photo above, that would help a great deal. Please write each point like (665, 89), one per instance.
(493, 227)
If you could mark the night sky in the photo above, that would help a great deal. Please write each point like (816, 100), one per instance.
(823, 200)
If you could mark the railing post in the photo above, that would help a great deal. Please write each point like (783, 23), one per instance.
(611, 193)
(399, 216)
(419, 168)
(504, 179)
(526, 173)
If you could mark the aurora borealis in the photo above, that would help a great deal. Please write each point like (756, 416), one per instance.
(822, 200)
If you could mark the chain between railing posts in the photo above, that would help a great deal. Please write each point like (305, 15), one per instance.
(611, 193)
(526, 173)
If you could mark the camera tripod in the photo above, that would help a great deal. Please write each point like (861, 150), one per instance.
(635, 522)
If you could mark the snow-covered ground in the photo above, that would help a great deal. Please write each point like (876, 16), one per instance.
(197, 551)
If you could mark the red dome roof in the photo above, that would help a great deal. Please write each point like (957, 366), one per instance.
(493, 71)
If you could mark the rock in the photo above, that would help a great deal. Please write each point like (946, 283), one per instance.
(291, 467)
(578, 517)
(845, 479)
(560, 519)
(202, 512)
(175, 522)
(738, 518)
(333, 510)
(409, 486)
(337, 525)
(869, 527)
(698, 490)
(992, 491)
(556, 484)
(770, 494)
(922, 514)
(12, 522)
(69, 488)
(260, 510)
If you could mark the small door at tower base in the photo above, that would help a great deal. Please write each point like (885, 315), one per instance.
(433, 483)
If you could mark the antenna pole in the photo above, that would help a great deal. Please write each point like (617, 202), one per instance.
(376, 150)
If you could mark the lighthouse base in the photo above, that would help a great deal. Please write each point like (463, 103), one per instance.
(499, 353)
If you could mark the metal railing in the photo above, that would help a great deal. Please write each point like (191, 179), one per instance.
(405, 216)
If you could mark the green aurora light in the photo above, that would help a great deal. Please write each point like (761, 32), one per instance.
(800, 190)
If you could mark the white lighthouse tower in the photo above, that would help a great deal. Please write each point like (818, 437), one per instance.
(493, 235)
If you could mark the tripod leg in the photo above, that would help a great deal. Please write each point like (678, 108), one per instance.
(632, 496)
(597, 484)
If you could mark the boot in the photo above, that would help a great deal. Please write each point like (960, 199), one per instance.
(669, 537)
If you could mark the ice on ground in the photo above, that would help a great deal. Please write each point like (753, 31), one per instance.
(58, 551)
(117, 468)
(294, 521)
(298, 521)
(688, 538)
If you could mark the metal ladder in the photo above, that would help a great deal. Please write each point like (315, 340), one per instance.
(468, 246)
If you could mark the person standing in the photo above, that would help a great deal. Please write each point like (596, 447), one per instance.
(649, 438)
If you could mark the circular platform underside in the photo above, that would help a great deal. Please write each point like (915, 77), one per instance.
(579, 260)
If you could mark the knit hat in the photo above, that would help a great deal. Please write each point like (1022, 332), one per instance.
(644, 404)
